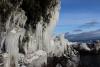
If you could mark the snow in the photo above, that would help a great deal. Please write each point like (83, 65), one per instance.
(84, 46)
(13, 31)
(35, 56)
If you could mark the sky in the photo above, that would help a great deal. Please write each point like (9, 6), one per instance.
(78, 16)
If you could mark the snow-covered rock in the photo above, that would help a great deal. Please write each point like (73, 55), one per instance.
(84, 47)
(37, 59)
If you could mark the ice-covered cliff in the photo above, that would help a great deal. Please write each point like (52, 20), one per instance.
(26, 40)
(26, 27)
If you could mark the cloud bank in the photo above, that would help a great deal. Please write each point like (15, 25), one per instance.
(91, 35)
(89, 24)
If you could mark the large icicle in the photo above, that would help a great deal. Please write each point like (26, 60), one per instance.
(13, 36)
(39, 35)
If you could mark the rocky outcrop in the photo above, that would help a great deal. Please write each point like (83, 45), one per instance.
(91, 57)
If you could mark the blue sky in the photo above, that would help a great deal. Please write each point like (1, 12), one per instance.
(77, 16)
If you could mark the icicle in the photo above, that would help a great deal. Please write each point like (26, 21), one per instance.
(39, 35)
(12, 47)
(32, 44)
(15, 33)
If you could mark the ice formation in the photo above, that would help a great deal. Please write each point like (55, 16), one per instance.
(27, 38)
(13, 36)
